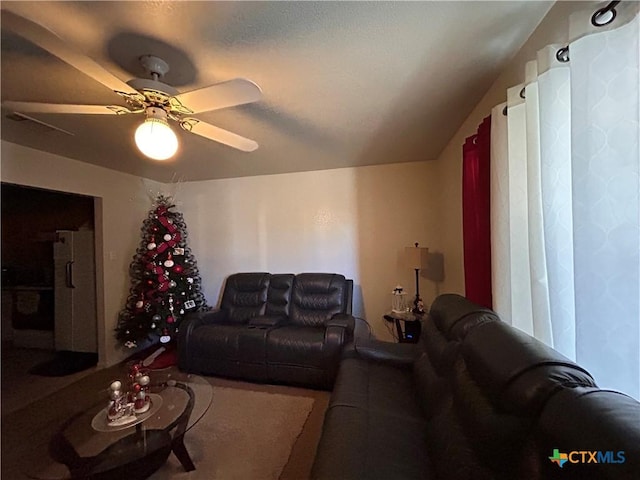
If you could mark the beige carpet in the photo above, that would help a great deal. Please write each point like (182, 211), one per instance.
(245, 435)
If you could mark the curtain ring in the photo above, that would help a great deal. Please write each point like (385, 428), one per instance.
(562, 55)
(604, 16)
(522, 93)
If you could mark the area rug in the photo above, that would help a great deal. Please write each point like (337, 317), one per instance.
(245, 435)
(65, 363)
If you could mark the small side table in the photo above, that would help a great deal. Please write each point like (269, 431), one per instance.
(408, 326)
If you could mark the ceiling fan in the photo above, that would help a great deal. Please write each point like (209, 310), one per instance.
(158, 101)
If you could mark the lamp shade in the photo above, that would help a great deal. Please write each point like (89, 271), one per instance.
(154, 137)
(416, 257)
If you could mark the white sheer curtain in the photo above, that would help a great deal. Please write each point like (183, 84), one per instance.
(565, 196)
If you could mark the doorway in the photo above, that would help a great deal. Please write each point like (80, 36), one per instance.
(31, 220)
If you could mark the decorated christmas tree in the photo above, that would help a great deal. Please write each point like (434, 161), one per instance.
(165, 283)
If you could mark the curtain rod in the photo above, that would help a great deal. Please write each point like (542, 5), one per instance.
(605, 15)
(601, 17)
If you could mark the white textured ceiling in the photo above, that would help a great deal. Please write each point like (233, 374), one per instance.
(344, 83)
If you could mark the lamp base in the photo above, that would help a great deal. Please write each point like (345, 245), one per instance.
(418, 306)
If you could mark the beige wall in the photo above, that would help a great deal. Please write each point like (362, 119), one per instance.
(122, 205)
(354, 221)
(554, 28)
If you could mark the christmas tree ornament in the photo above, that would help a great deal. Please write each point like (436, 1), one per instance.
(178, 269)
(169, 261)
(167, 237)
(156, 318)
(116, 388)
(139, 304)
(173, 284)
(165, 338)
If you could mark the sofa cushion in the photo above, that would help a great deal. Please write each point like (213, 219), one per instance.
(316, 297)
(357, 445)
(379, 388)
(297, 346)
(266, 321)
(374, 427)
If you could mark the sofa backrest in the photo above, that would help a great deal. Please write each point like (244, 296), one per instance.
(316, 297)
(245, 296)
(279, 294)
(454, 315)
(503, 380)
(449, 445)
(484, 386)
(307, 298)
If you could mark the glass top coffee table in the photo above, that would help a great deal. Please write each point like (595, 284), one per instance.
(86, 447)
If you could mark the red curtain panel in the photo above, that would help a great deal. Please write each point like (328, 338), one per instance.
(476, 215)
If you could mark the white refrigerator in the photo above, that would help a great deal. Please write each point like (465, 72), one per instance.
(75, 291)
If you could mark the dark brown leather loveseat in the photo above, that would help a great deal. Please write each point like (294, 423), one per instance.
(273, 328)
(476, 399)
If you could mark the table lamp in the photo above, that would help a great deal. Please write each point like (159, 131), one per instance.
(416, 258)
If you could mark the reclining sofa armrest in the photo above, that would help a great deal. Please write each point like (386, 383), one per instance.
(190, 323)
(267, 321)
(207, 317)
(342, 320)
(338, 331)
(396, 354)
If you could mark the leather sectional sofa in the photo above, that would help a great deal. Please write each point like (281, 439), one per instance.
(476, 399)
(273, 328)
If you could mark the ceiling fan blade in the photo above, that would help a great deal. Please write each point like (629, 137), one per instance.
(217, 134)
(48, 40)
(221, 95)
(36, 107)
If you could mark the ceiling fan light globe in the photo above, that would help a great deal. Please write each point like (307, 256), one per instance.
(155, 139)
